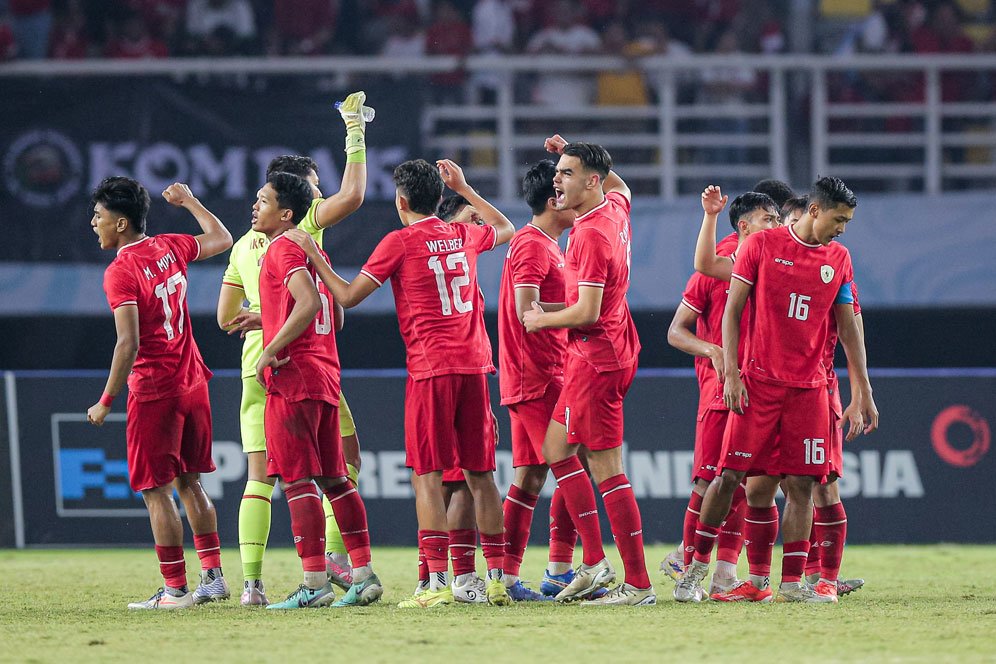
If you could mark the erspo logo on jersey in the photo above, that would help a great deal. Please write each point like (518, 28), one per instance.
(44, 167)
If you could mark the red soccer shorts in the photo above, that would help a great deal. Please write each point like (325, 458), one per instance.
(453, 476)
(836, 434)
(591, 404)
(302, 439)
(530, 420)
(449, 424)
(784, 431)
(168, 437)
(708, 444)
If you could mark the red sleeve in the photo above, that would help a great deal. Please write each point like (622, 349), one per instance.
(594, 255)
(385, 259)
(482, 238)
(748, 259)
(696, 295)
(120, 286)
(857, 305)
(287, 259)
(847, 267)
(619, 199)
(186, 247)
(529, 264)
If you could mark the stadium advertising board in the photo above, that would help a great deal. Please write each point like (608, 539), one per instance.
(924, 477)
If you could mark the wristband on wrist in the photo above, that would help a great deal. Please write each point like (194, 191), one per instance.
(106, 400)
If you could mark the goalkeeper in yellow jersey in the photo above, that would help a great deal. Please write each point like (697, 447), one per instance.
(238, 310)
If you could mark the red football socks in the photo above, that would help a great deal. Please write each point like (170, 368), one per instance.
(627, 528)
(580, 499)
(731, 534)
(463, 551)
(688, 531)
(794, 556)
(705, 539)
(172, 565)
(307, 525)
(435, 544)
(208, 548)
(830, 526)
(760, 532)
(518, 510)
(813, 561)
(563, 534)
(351, 515)
(493, 548)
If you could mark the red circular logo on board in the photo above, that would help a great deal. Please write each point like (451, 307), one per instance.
(960, 457)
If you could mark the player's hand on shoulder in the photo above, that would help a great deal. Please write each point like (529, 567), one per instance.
(96, 414)
(555, 144)
(177, 194)
(452, 175)
(303, 240)
(713, 200)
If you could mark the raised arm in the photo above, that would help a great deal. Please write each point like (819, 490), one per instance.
(681, 335)
(125, 352)
(612, 183)
(349, 198)
(345, 293)
(706, 260)
(734, 392)
(862, 413)
(215, 238)
(453, 178)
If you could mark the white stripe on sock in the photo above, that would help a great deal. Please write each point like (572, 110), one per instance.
(705, 534)
(353, 490)
(621, 486)
(304, 495)
(519, 502)
(828, 523)
(569, 475)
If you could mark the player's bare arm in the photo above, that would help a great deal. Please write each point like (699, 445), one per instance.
(125, 352)
(862, 413)
(344, 293)
(734, 391)
(454, 178)
(349, 198)
(706, 260)
(307, 304)
(215, 238)
(231, 301)
(583, 313)
(338, 316)
(681, 335)
(556, 144)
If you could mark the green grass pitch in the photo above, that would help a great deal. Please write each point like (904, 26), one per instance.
(921, 603)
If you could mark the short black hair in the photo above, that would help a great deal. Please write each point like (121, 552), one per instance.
(828, 192)
(293, 193)
(778, 191)
(744, 204)
(795, 203)
(421, 185)
(126, 197)
(537, 185)
(292, 163)
(451, 206)
(593, 157)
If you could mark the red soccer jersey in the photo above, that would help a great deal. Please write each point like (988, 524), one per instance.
(529, 362)
(152, 275)
(706, 296)
(727, 245)
(795, 287)
(598, 254)
(313, 370)
(432, 266)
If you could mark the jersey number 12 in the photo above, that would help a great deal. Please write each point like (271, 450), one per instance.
(453, 262)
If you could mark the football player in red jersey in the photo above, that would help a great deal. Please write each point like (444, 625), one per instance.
(601, 361)
(778, 395)
(432, 266)
(299, 367)
(169, 413)
(697, 330)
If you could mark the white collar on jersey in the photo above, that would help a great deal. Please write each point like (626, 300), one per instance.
(799, 240)
(605, 201)
(132, 244)
(542, 231)
(432, 216)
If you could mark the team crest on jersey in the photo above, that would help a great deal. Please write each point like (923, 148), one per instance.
(826, 273)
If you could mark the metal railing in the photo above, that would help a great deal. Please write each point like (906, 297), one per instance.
(792, 125)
